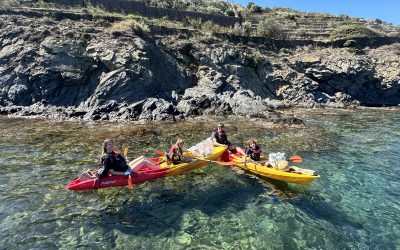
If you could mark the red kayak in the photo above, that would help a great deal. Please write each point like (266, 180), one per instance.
(140, 176)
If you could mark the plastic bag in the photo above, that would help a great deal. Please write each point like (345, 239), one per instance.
(274, 158)
(204, 148)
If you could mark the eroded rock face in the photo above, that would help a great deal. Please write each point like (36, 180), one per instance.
(81, 69)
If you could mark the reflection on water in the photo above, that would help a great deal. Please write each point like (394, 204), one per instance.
(354, 205)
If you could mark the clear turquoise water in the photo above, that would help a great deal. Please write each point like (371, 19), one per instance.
(354, 205)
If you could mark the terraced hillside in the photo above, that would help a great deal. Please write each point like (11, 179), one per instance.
(252, 20)
(317, 26)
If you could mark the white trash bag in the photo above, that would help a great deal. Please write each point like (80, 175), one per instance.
(203, 148)
(274, 158)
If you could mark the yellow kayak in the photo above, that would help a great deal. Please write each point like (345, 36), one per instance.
(300, 176)
(197, 162)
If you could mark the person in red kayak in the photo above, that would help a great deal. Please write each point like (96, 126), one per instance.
(114, 163)
(176, 153)
(220, 138)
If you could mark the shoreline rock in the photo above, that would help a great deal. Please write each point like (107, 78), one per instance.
(79, 69)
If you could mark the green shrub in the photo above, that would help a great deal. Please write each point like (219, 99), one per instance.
(256, 9)
(230, 13)
(267, 10)
(270, 28)
(249, 5)
(344, 17)
(210, 27)
(254, 60)
(350, 31)
(282, 9)
(321, 15)
(290, 17)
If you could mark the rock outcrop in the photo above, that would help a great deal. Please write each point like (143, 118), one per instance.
(82, 69)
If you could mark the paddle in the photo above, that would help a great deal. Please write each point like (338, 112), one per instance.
(130, 183)
(224, 163)
(159, 152)
(294, 158)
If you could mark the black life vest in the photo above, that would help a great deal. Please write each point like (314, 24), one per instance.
(220, 137)
(255, 154)
(113, 161)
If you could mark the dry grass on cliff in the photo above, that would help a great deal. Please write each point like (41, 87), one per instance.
(130, 25)
(9, 3)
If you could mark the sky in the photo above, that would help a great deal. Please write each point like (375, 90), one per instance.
(385, 10)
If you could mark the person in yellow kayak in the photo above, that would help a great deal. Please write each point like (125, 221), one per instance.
(176, 153)
(252, 150)
(114, 163)
(220, 138)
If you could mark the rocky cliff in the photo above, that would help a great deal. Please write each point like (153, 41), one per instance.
(76, 66)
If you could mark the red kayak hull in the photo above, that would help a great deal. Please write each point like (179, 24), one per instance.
(116, 180)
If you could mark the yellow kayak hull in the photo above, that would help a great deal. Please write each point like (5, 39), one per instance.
(195, 164)
(279, 175)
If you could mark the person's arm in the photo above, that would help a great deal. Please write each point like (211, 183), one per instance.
(184, 158)
(113, 172)
(103, 171)
(180, 154)
(215, 143)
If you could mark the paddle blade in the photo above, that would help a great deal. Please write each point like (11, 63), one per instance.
(159, 152)
(126, 152)
(130, 183)
(227, 163)
(296, 158)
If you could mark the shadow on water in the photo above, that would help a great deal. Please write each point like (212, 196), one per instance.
(309, 202)
(165, 213)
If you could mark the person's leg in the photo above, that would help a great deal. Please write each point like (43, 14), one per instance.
(137, 166)
(240, 150)
(139, 159)
(150, 163)
(267, 164)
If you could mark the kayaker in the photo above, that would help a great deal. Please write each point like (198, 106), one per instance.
(114, 163)
(220, 138)
(253, 150)
(111, 161)
(176, 153)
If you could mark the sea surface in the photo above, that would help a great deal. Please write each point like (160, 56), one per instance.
(354, 205)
